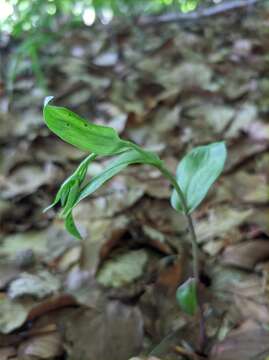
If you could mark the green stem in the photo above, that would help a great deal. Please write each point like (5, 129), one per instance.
(195, 250)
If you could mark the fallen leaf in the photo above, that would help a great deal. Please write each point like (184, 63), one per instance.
(249, 341)
(186, 76)
(116, 333)
(42, 346)
(27, 179)
(7, 353)
(13, 314)
(32, 240)
(258, 131)
(123, 269)
(220, 221)
(245, 116)
(103, 235)
(107, 59)
(243, 186)
(217, 116)
(246, 254)
(39, 285)
(70, 258)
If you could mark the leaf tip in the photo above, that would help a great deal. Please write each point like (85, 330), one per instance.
(47, 100)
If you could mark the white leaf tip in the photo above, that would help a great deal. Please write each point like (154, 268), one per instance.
(47, 100)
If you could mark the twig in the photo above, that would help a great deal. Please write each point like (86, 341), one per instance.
(195, 15)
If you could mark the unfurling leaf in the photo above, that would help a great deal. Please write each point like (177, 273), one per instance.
(121, 162)
(67, 194)
(101, 140)
(71, 226)
(196, 172)
(186, 296)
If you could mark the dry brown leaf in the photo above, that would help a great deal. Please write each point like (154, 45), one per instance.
(115, 333)
(7, 353)
(246, 254)
(42, 346)
(248, 342)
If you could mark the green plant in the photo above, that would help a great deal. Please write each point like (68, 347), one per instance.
(195, 174)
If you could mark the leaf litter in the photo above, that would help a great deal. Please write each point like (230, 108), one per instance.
(176, 90)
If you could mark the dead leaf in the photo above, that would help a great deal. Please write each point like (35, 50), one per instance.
(258, 131)
(246, 115)
(42, 346)
(246, 254)
(123, 269)
(217, 116)
(39, 285)
(220, 221)
(7, 353)
(249, 341)
(116, 333)
(27, 179)
(13, 314)
(32, 240)
(186, 76)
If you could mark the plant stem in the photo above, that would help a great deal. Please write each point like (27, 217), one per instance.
(155, 161)
(195, 250)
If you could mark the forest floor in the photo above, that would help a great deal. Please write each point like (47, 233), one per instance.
(112, 295)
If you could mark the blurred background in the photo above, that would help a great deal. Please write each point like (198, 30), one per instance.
(169, 75)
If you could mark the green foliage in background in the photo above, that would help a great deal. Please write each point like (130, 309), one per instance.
(39, 23)
(38, 14)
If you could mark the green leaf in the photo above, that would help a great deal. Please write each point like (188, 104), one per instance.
(196, 172)
(121, 162)
(71, 226)
(186, 297)
(101, 140)
(70, 187)
(188, 5)
(71, 198)
(117, 165)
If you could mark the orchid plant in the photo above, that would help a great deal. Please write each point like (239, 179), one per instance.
(195, 174)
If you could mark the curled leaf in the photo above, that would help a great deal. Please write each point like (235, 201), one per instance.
(121, 162)
(71, 226)
(69, 190)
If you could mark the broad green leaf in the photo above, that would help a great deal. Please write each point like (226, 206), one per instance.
(186, 296)
(101, 140)
(66, 193)
(196, 172)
